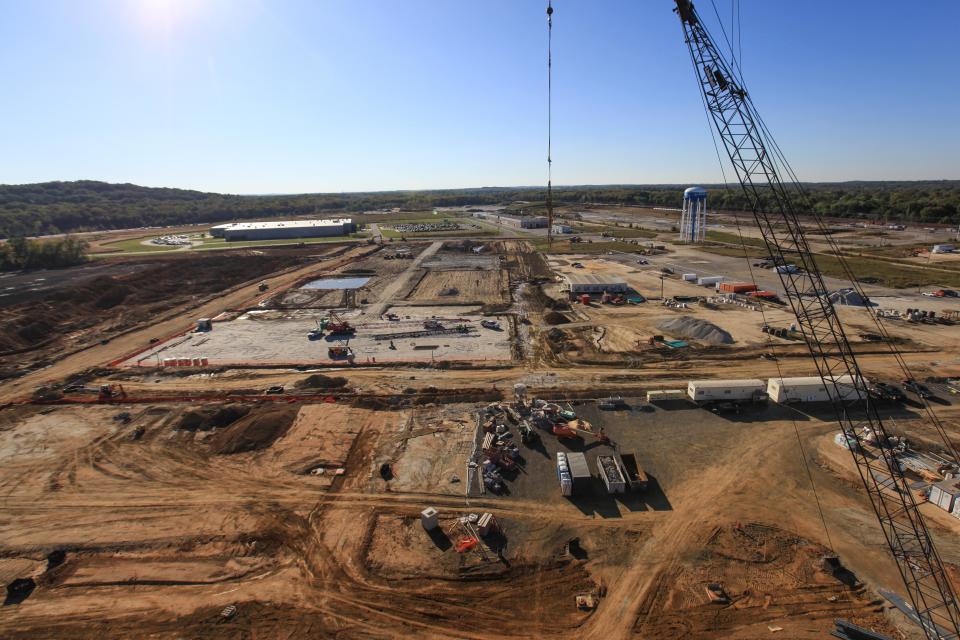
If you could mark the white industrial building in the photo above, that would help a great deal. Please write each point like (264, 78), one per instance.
(561, 228)
(726, 390)
(811, 389)
(578, 283)
(283, 229)
(518, 222)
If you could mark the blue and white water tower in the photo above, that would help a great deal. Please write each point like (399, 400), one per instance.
(693, 217)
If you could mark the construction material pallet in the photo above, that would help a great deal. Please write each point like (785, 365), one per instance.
(417, 334)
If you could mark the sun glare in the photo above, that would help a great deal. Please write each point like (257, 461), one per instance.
(164, 16)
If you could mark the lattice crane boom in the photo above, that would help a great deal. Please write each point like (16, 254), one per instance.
(765, 179)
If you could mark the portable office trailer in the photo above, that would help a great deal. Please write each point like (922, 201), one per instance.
(707, 391)
(611, 474)
(944, 494)
(810, 389)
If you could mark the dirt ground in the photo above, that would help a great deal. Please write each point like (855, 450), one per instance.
(461, 287)
(94, 307)
(148, 517)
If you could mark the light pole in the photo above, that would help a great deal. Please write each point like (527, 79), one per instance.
(661, 285)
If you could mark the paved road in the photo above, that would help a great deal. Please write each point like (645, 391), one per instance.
(389, 293)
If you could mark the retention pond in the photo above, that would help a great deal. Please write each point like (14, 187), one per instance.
(337, 283)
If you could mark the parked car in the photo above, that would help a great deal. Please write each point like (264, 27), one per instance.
(917, 389)
(885, 391)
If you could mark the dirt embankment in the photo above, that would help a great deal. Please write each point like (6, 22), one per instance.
(255, 431)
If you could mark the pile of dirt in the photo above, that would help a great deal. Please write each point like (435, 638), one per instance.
(553, 317)
(320, 381)
(257, 430)
(695, 329)
(213, 417)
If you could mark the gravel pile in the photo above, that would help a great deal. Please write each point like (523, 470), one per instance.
(695, 329)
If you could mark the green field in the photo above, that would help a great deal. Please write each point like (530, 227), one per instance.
(888, 273)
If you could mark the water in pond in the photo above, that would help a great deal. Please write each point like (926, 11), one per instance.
(336, 283)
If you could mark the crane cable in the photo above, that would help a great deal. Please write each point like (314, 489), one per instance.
(549, 124)
(763, 315)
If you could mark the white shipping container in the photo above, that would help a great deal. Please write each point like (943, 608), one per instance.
(725, 390)
(690, 277)
(708, 280)
(810, 389)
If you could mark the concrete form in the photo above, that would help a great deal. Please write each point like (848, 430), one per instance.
(280, 337)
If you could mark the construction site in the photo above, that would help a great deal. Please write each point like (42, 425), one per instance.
(680, 433)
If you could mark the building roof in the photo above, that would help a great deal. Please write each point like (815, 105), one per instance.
(951, 486)
(284, 224)
(809, 381)
(713, 384)
(590, 278)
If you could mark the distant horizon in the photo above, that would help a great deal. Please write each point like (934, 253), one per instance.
(490, 187)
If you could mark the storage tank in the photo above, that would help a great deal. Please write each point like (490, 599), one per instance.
(693, 215)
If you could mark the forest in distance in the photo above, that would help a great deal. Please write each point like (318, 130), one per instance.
(68, 207)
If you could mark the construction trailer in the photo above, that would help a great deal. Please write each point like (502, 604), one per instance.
(634, 473)
(666, 394)
(944, 494)
(738, 391)
(812, 389)
(579, 471)
(580, 283)
(611, 474)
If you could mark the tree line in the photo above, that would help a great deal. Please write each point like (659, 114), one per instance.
(22, 253)
(63, 207)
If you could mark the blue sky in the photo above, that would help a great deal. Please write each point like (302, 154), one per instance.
(282, 96)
